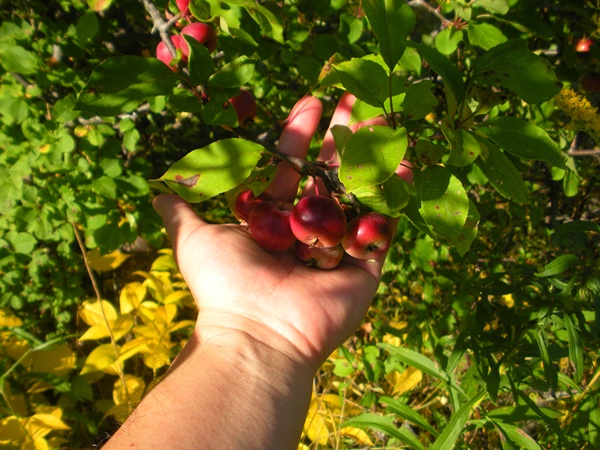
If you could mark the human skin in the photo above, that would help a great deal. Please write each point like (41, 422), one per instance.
(266, 322)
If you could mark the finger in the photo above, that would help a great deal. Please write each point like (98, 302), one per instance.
(341, 116)
(179, 218)
(295, 141)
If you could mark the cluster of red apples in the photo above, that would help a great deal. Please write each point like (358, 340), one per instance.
(317, 227)
(244, 103)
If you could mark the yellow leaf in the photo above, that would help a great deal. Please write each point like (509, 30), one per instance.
(181, 298)
(105, 263)
(357, 435)
(180, 325)
(315, 426)
(405, 381)
(118, 327)
(151, 332)
(100, 359)
(41, 444)
(93, 312)
(147, 311)
(131, 392)
(159, 355)
(11, 432)
(12, 346)
(164, 263)
(8, 319)
(166, 313)
(133, 347)
(56, 359)
(132, 295)
(153, 283)
(39, 425)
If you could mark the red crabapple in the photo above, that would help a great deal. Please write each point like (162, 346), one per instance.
(583, 45)
(203, 33)
(320, 257)
(369, 236)
(318, 220)
(245, 106)
(246, 201)
(183, 6)
(269, 225)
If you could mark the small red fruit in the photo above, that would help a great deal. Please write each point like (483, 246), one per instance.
(322, 258)
(245, 107)
(319, 221)
(583, 45)
(183, 6)
(203, 33)
(163, 53)
(270, 227)
(369, 236)
(246, 201)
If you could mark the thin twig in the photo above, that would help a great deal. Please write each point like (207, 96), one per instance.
(584, 152)
(431, 9)
(99, 298)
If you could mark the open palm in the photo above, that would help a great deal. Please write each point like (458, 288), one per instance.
(243, 286)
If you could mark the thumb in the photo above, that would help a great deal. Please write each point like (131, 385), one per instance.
(179, 218)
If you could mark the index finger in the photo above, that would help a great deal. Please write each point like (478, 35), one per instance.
(295, 141)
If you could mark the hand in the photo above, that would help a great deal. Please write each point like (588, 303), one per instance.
(266, 322)
(238, 285)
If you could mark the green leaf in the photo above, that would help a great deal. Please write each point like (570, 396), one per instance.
(469, 231)
(214, 169)
(523, 139)
(121, 83)
(447, 440)
(443, 67)
(371, 156)
(388, 198)
(428, 152)
(391, 21)
(419, 100)
(237, 73)
(365, 79)
(23, 243)
(105, 186)
(493, 6)
(200, 63)
(15, 58)
(386, 425)
(502, 174)
(341, 134)
(575, 347)
(447, 40)
(444, 202)
(549, 369)
(559, 265)
(485, 35)
(218, 111)
(269, 23)
(407, 413)
(416, 360)
(465, 146)
(87, 27)
(513, 66)
(492, 382)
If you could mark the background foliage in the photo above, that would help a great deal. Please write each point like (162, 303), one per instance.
(492, 342)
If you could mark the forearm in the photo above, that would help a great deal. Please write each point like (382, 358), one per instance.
(229, 391)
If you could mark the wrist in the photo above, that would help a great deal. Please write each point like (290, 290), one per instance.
(237, 339)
